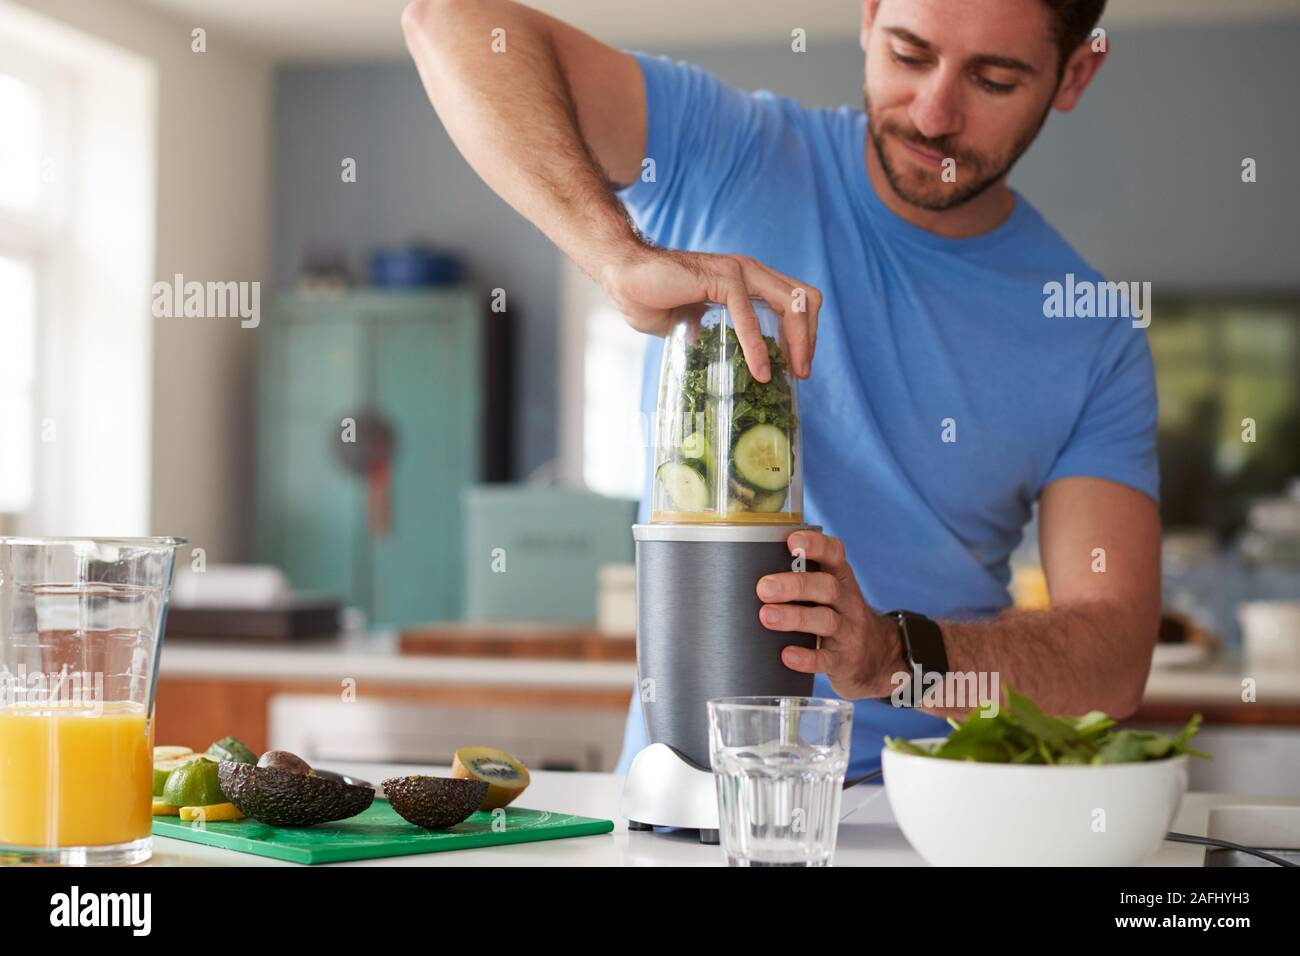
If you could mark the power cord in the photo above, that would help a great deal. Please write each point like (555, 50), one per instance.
(1226, 845)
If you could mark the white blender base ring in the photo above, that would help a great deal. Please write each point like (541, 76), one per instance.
(663, 790)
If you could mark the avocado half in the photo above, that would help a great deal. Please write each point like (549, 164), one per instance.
(434, 803)
(281, 798)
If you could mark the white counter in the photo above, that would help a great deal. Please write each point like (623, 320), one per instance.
(868, 836)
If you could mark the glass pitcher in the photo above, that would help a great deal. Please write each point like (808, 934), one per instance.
(81, 627)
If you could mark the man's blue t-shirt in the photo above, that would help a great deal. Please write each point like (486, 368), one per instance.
(917, 334)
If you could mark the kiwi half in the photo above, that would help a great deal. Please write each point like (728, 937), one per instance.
(505, 776)
(434, 803)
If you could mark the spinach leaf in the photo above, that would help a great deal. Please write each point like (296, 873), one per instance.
(1021, 733)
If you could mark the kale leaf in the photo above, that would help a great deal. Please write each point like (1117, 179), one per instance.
(716, 369)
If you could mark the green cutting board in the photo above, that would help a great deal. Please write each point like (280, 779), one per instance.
(377, 832)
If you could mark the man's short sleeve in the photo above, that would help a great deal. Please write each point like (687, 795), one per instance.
(1115, 435)
(700, 140)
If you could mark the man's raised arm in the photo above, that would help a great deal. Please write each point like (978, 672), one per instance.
(553, 121)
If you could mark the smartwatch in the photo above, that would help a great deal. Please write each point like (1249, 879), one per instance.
(923, 651)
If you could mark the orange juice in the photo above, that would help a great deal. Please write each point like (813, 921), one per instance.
(72, 776)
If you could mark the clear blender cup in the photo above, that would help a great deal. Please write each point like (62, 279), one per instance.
(81, 627)
(726, 445)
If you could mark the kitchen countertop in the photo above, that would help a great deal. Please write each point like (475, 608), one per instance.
(1220, 682)
(868, 835)
(375, 657)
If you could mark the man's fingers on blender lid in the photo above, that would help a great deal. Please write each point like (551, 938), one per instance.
(778, 294)
(801, 326)
(769, 285)
(745, 323)
(800, 339)
(777, 291)
(810, 298)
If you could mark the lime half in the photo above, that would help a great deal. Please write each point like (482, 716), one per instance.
(193, 784)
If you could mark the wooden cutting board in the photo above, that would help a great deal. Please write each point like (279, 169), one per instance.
(379, 832)
(536, 642)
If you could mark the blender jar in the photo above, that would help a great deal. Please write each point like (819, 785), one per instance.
(726, 445)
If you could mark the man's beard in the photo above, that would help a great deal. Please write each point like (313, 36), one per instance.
(927, 190)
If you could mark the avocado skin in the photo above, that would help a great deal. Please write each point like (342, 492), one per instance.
(434, 803)
(231, 748)
(284, 799)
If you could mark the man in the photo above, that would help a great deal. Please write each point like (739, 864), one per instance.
(946, 401)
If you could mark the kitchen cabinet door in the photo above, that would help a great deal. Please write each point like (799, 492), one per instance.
(427, 385)
(325, 504)
(414, 362)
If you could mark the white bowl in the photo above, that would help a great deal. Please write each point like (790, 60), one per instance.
(963, 813)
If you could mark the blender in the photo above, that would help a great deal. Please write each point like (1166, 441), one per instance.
(726, 494)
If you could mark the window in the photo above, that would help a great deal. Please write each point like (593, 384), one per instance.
(17, 380)
(27, 221)
(22, 144)
(77, 146)
(602, 436)
(613, 435)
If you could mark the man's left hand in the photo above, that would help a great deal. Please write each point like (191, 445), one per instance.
(857, 649)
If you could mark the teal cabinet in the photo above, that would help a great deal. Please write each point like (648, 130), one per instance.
(407, 368)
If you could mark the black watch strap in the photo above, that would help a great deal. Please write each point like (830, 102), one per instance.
(923, 650)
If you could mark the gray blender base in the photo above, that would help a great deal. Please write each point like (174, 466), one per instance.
(698, 633)
(699, 637)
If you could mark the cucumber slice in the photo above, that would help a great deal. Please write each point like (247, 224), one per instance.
(761, 458)
(684, 486)
(769, 502)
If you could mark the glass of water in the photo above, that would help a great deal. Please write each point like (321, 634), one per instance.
(779, 763)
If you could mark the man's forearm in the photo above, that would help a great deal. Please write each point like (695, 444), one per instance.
(513, 118)
(1070, 660)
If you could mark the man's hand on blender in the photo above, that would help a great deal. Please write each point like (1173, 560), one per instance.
(553, 129)
(649, 283)
(858, 649)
